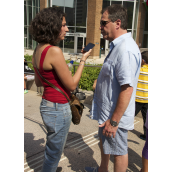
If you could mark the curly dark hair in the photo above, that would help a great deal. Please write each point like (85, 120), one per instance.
(116, 12)
(46, 25)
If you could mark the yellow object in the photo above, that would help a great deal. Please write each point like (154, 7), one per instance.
(142, 85)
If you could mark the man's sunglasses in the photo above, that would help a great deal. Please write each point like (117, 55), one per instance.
(104, 23)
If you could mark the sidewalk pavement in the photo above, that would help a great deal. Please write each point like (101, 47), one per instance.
(82, 147)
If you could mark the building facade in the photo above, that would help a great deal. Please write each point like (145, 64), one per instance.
(83, 21)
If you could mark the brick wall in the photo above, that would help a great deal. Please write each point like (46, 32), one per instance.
(93, 24)
(43, 4)
(140, 25)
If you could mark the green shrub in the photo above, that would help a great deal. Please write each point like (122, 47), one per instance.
(29, 59)
(88, 76)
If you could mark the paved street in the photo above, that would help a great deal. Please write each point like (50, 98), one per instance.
(82, 147)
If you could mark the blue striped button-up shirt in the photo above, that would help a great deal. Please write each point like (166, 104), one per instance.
(121, 66)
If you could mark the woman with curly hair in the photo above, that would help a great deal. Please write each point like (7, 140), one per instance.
(48, 28)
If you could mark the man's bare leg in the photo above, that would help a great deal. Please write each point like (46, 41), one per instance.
(104, 160)
(120, 163)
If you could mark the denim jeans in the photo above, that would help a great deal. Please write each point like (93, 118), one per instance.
(57, 119)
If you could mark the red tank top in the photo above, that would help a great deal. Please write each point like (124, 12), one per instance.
(50, 93)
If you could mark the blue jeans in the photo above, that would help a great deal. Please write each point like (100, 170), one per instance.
(57, 119)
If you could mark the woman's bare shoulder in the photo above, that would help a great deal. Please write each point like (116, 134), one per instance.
(55, 54)
(55, 50)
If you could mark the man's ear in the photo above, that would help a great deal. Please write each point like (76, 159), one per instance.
(118, 23)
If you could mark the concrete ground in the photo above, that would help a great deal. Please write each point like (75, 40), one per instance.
(82, 146)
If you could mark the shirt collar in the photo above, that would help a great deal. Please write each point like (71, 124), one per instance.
(119, 39)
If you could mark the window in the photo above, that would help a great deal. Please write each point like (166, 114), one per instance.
(145, 33)
(70, 16)
(31, 8)
(81, 30)
(58, 3)
(81, 12)
(76, 14)
(129, 5)
(106, 3)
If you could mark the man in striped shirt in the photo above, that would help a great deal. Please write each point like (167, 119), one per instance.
(142, 91)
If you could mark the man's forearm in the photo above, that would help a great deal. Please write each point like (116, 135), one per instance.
(122, 103)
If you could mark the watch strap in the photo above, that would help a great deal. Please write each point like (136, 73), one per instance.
(113, 123)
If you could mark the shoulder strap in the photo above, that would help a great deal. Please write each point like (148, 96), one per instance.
(50, 84)
(43, 54)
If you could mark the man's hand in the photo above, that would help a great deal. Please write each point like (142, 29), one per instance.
(94, 85)
(109, 130)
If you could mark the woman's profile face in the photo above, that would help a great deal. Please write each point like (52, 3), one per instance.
(64, 29)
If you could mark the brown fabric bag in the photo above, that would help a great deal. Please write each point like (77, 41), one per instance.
(75, 105)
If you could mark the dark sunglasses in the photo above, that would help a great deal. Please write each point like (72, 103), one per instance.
(104, 23)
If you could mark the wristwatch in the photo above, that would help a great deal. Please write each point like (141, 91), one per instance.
(113, 123)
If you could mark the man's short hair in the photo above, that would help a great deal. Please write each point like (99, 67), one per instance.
(116, 12)
(145, 56)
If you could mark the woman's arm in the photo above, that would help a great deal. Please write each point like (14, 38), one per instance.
(57, 61)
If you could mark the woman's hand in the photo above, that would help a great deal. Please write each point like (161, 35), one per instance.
(85, 54)
(82, 51)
